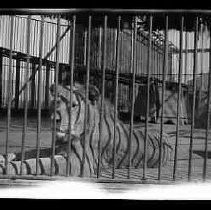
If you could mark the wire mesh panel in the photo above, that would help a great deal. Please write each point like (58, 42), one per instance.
(107, 94)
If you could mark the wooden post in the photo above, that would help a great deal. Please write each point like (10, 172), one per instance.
(17, 83)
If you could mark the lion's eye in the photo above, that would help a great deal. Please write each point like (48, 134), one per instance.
(58, 103)
(74, 105)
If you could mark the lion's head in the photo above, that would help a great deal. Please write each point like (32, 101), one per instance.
(63, 109)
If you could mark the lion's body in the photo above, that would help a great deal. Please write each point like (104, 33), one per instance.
(107, 138)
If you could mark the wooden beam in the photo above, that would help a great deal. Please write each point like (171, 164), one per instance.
(192, 51)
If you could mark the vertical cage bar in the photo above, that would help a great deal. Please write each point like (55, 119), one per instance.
(33, 89)
(152, 61)
(87, 94)
(148, 96)
(9, 97)
(201, 58)
(103, 94)
(72, 64)
(1, 78)
(186, 56)
(26, 93)
(39, 93)
(142, 56)
(116, 92)
(56, 94)
(47, 82)
(99, 48)
(17, 83)
(158, 61)
(157, 57)
(178, 98)
(194, 100)
(208, 119)
(85, 48)
(133, 70)
(165, 70)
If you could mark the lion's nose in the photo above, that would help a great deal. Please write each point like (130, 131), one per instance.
(58, 124)
(58, 121)
(56, 116)
(60, 137)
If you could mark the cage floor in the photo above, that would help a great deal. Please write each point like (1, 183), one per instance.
(15, 138)
(151, 175)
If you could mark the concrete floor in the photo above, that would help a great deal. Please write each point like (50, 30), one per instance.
(15, 138)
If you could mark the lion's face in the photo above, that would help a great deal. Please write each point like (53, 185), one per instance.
(63, 109)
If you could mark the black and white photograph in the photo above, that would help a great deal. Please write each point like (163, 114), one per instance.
(105, 103)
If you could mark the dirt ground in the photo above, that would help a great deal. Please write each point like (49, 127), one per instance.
(15, 139)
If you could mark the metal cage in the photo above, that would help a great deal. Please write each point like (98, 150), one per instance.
(153, 65)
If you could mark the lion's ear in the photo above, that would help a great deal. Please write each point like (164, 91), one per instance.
(52, 89)
(60, 90)
(94, 94)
